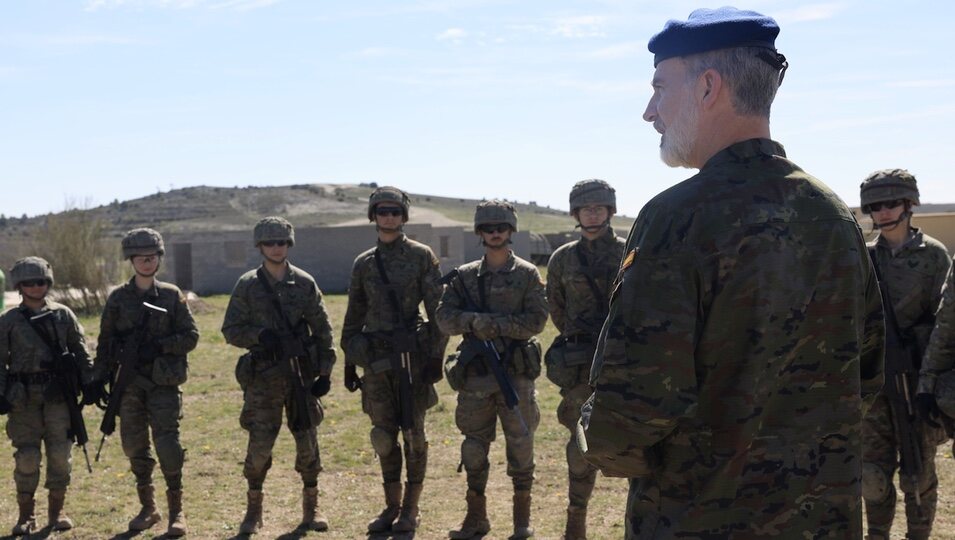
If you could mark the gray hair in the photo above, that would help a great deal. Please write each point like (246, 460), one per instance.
(752, 81)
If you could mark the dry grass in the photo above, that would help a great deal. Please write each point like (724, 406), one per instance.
(102, 503)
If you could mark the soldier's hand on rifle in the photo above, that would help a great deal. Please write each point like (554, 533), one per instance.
(4, 405)
(269, 339)
(483, 326)
(94, 393)
(352, 381)
(433, 370)
(321, 386)
(149, 350)
(928, 409)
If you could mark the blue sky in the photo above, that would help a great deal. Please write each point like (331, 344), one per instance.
(107, 99)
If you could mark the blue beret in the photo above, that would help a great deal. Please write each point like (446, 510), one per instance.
(711, 29)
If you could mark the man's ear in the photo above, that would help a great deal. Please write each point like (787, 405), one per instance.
(709, 88)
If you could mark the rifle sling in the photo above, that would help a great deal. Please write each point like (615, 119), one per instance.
(263, 279)
(50, 342)
(599, 296)
(392, 295)
(891, 323)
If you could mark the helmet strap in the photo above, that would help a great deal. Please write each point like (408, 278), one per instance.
(892, 224)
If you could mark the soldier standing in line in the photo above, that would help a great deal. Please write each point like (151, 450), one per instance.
(498, 303)
(277, 313)
(400, 354)
(745, 335)
(153, 401)
(912, 267)
(33, 338)
(579, 276)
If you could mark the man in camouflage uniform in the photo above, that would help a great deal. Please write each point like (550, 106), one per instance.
(579, 275)
(745, 334)
(500, 300)
(265, 373)
(383, 326)
(30, 394)
(153, 401)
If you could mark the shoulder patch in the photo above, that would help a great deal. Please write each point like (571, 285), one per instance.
(628, 260)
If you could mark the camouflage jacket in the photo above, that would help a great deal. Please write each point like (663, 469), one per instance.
(251, 310)
(743, 345)
(413, 272)
(175, 331)
(514, 292)
(574, 307)
(939, 356)
(22, 350)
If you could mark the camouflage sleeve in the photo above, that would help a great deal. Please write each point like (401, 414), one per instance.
(644, 372)
(186, 334)
(236, 327)
(318, 322)
(432, 289)
(940, 353)
(452, 318)
(4, 353)
(357, 305)
(556, 299)
(945, 266)
(103, 362)
(76, 343)
(872, 351)
(533, 318)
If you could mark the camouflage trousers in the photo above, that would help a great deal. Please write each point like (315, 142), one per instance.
(881, 464)
(266, 396)
(33, 419)
(149, 407)
(581, 475)
(380, 401)
(480, 405)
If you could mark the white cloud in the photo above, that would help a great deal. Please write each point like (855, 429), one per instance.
(581, 26)
(454, 35)
(619, 50)
(810, 12)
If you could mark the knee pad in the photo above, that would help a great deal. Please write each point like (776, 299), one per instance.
(875, 483)
(27, 459)
(383, 441)
(474, 454)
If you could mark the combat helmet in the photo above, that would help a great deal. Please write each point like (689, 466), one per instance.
(592, 191)
(142, 241)
(273, 228)
(29, 268)
(389, 194)
(888, 185)
(495, 211)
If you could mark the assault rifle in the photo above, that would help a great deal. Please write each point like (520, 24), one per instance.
(492, 358)
(403, 343)
(126, 358)
(901, 379)
(65, 376)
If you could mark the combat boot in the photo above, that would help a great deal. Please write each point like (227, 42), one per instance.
(26, 523)
(148, 515)
(177, 520)
(475, 521)
(408, 519)
(312, 519)
(522, 515)
(576, 528)
(386, 518)
(252, 521)
(59, 521)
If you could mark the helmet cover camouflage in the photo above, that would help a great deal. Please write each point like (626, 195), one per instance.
(495, 211)
(888, 185)
(273, 228)
(389, 194)
(29, 268)
(143, 241)
(945, 393)
(592, 192)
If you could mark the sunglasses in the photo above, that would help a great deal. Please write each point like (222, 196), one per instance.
(34, 282)
(274, 243)
(875, 207)
(387, 211)
(494, 228)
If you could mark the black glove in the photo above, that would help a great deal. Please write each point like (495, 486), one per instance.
(269, 339)
(928, 409)
(94, 393)
(4, 405)
(149, 350)
(352, 381)
(433, 370)
(321, 386)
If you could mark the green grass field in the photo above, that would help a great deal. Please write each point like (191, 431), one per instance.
(102, 503)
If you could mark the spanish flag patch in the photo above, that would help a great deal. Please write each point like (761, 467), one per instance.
(628, 260)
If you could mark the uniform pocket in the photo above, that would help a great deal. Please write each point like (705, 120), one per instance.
(358, 351)
(169, 370)
(243, 370)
